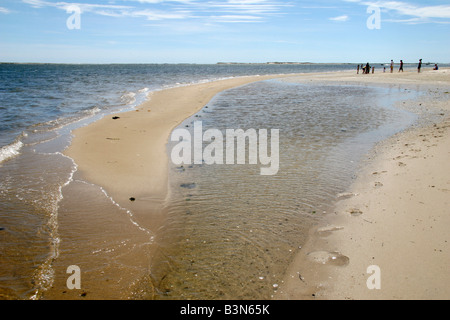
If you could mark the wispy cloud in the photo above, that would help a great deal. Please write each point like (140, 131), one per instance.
(225, 11)
(4, 10)
(162, 1)
(235, 18)
(64, 5)
(154, 15)
(413, 13)
(340, 18)
(101, 9)
(244, 6)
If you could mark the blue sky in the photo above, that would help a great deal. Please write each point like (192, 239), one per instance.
(196, 31)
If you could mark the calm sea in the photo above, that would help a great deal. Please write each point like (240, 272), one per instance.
(226, 231)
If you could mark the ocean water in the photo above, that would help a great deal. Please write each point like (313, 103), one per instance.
(225, 232)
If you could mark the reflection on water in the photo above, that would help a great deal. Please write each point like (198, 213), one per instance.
(231, 232)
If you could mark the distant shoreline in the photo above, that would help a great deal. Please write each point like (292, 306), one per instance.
(217, 63)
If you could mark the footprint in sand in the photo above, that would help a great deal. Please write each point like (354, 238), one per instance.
(378, 184)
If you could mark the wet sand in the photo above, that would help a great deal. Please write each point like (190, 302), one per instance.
(395, 215)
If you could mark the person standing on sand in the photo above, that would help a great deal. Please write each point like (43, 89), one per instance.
(392, 66)
(357, 71)
(401, 66)
(367, 70)
(419, 66)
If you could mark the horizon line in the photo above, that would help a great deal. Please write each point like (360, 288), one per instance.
(216, 63)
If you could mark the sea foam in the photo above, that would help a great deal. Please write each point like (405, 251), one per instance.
(10, 150)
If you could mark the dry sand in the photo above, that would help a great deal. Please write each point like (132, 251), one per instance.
(395, 216)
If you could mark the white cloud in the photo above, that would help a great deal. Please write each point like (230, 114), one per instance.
(159, 15)
(246, 7)
(4, 10)
(161, 1)
(415, 12)
(213, 10)
(85, 7)
(340, 18)
(236, 18)
(441, 11)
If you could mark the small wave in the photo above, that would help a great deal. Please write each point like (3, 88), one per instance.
(128, 98)
(16, 90)
(143, 90)
(61, 122)
(130, 215)
(44, 276)
(92, 111)
(10, 150)
(195, 82)
(128, 212)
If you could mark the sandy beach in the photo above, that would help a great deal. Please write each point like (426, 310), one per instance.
(127, 155)
(394, 216)
(246, 150)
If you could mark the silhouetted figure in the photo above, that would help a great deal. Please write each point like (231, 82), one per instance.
(419, 66)
(401, 66)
